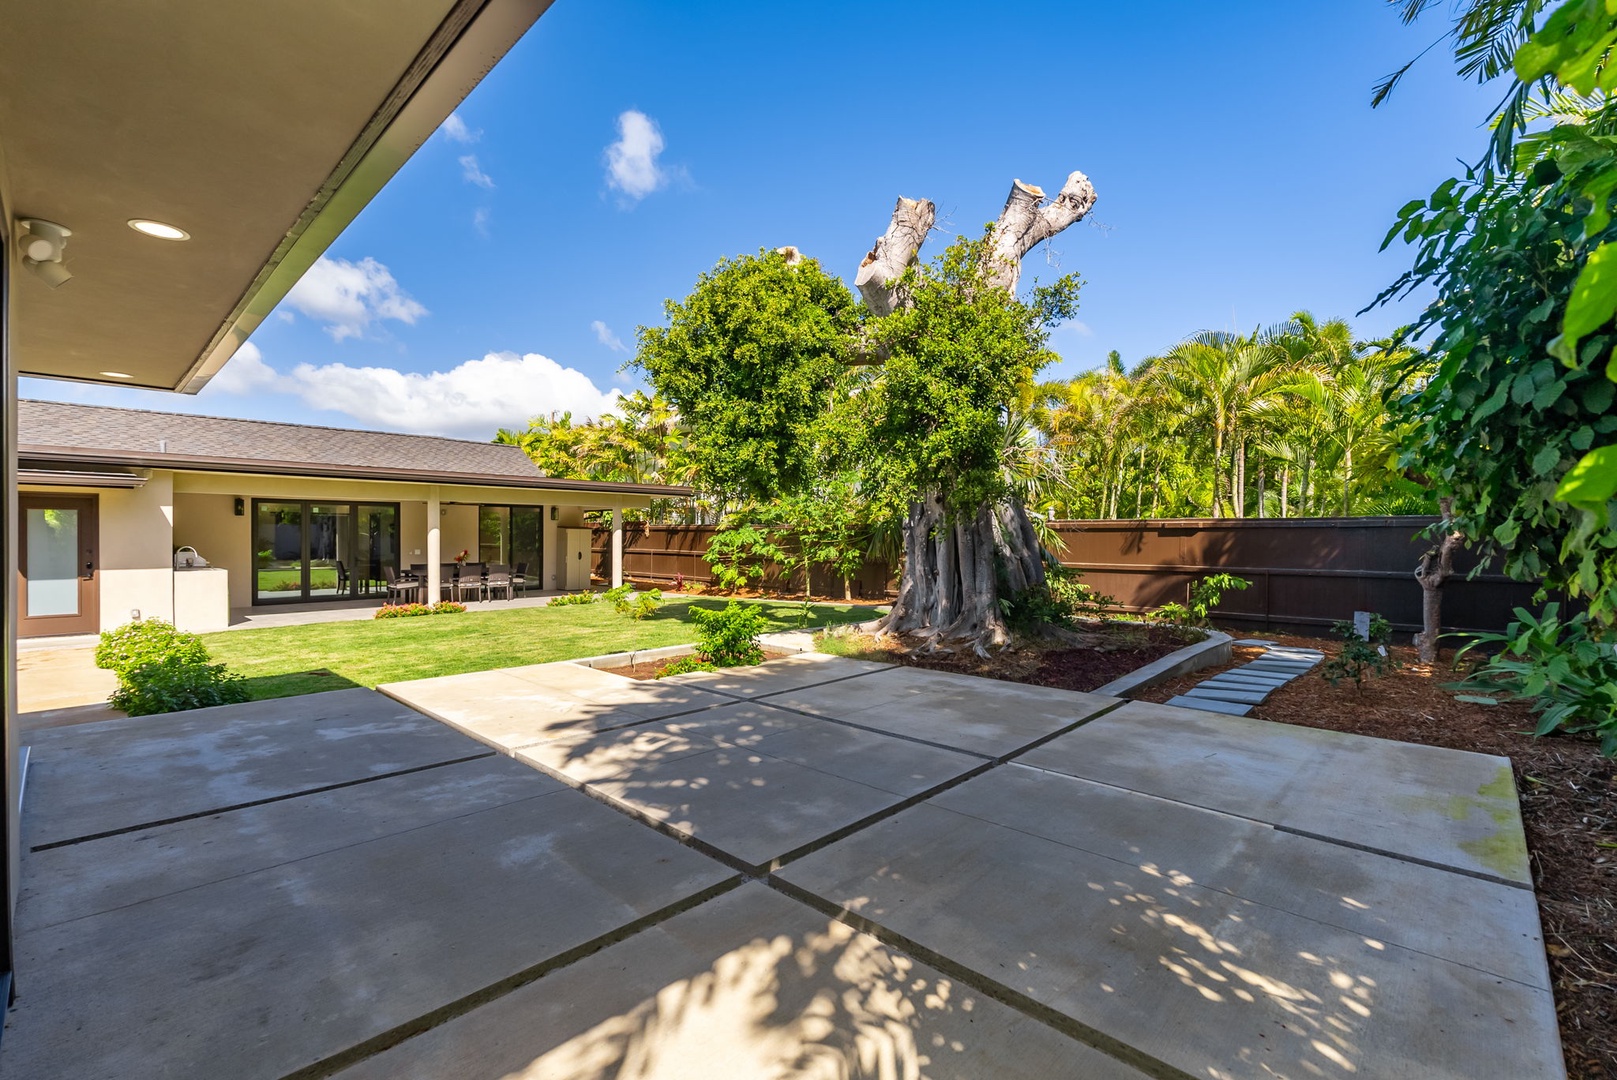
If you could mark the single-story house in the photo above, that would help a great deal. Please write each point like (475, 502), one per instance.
(278, 513)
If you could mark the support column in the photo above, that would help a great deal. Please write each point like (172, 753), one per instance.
(434, 547)
(617, 546)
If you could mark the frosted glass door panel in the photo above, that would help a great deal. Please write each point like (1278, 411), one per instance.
(53, 562)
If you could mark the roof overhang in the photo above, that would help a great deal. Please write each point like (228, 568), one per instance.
(46, 457)
(87, 476)
(260, 129)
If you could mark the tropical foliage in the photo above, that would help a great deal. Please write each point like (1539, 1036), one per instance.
(1287, 421)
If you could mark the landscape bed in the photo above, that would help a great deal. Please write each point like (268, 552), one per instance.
(1117, 649)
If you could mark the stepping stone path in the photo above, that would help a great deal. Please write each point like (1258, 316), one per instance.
(1235, 691)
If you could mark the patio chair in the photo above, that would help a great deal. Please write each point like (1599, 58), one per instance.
(497, 578)
(519, 580)
(401, 587)
(470, 577)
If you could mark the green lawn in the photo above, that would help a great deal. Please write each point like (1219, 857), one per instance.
(282, 661)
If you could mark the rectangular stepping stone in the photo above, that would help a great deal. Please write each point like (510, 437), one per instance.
(1269, 668)
(262, 975)
(93, 778)
(749, 984)
(986, 717)
(1279, 678)
(1215, 946)
(1237, 682)
(516, 707)
(755, 782)
(1260, 643)
(1245, 697)
(1448, 808)
(776, 676)
(1209, 705)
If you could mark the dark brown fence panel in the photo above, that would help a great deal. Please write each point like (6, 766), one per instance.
(657, 553)
(1305, 572)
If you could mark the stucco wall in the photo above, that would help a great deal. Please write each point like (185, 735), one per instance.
(209, 524)
(137, 551)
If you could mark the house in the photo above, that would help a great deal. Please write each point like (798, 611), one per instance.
(279, 514)
(167, 173)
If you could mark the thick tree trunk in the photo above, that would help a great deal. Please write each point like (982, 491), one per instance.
(1434, 569)
(950, 589)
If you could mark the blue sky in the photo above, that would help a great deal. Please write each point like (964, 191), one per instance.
(1241, 175)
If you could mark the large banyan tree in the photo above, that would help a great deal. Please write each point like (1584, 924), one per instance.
(782, 377)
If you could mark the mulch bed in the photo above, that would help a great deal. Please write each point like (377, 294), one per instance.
(1119, 649)
(1568, 808)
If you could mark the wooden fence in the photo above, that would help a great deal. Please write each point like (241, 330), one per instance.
(1306, 573)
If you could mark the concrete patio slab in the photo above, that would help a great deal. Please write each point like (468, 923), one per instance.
(752, 782)
(1206, 704)
(88, 779)
(516, 707)
(1447, 808)
(776, 676)
(1142, 953)
(278, 970)
(79, 880)
(979, 716)
(749, 985)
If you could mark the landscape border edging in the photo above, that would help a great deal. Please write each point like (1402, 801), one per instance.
(1214, 650)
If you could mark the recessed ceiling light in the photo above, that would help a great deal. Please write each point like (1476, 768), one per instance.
(158, 229)
(117, 374)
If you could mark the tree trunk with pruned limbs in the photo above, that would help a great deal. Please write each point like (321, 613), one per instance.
(957, 569)
(1436, 566)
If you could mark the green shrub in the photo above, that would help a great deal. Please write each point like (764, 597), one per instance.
(740, 555)
(146, 641)
(161, 669)
(567, 599)
(1205, 595)
(684, 664)
(1360, 656)
(448, 607)
(1062, 600)
(1566, 669)
(635, 605)
(729, 638)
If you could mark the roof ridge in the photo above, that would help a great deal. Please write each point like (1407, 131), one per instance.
(269, 423)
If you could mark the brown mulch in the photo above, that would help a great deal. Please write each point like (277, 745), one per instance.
(1117, 650)
(1568, 809)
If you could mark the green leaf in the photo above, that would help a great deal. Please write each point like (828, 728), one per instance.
(1547, 458)
(1494, 403)
(1594, 295)
(1476, 699)
(1592, 481)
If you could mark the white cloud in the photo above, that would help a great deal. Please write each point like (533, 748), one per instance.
(631, 162)
(455, 130)
(1080, 328)
(244, 373)
(604, 334)
(480, 220)
(348, 296)
(472, 173)
(471, 400)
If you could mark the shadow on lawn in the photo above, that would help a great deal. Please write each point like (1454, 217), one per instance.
(295, 683)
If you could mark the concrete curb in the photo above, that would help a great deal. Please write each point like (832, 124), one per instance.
(780, 641)
(1203, 654)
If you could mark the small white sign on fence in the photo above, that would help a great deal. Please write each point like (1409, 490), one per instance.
(1361, 624)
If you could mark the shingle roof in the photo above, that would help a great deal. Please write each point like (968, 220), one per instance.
(60, 431)
(97, 427)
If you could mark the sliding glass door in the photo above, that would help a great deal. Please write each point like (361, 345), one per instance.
(322, 551)
(511, 535)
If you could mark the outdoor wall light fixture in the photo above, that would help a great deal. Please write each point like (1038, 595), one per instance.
(43, 243)
(158, 229)
(552, 513)
(241, 506)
